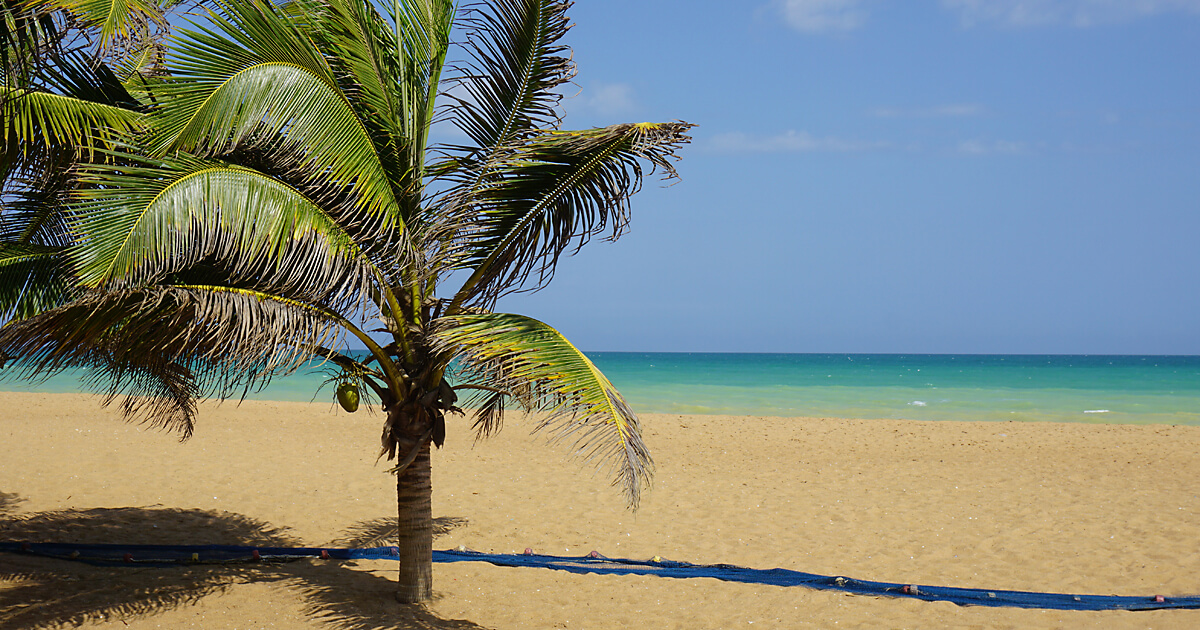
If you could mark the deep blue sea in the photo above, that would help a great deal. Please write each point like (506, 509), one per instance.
(1099, 389)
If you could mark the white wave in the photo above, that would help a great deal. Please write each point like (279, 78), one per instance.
(917, 403)
(1096, 411)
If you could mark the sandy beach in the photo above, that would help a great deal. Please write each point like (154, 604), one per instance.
(1075, 508)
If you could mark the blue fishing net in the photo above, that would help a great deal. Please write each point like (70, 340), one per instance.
(594, 563)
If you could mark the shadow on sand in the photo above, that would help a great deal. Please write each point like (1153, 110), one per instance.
(43, 592)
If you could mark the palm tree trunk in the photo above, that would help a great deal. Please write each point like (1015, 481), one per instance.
(414, 494)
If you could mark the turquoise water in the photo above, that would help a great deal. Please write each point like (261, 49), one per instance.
(1106, 389)
(1100, 389)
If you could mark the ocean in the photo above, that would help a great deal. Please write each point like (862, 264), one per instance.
(1055, 388)
(1103, 389)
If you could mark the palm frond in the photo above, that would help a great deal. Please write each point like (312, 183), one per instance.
(258, 78)
(423, 29)
(138, 64)
(489, 411)
(154, 391)
(557, 190)
(543, 371)
(117, 21)
(423, 34)
(161, 348)
(70, 111)
(36, 119)
(26, 27)
(368, 66)
(81, 76)
(33, 279)
(145, 222)
(508, 86)
(35, 209)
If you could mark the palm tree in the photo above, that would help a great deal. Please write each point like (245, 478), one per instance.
(60, 103)
(281, 190)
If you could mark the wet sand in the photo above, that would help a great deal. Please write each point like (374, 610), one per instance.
(1074, 508)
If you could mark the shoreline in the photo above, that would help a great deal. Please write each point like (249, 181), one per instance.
(1131, 389)
(1070, 508)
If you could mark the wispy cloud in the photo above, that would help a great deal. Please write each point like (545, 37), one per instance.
(993, 147)
(603, 99)
(955, 110)
(1078, 13)
(612, 98)
(819, 16)
(788, 142)
(803, 142)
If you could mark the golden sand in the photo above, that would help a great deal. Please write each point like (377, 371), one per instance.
(1076, 508)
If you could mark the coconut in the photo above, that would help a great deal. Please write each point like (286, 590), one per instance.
(347, 396)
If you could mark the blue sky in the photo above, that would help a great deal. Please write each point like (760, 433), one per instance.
(974, 176)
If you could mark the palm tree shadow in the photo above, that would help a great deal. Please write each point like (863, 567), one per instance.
(38, 592)
(381, 532)
(9, 502)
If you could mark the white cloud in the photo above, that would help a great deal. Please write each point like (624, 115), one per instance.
(602, 99)
(803, 142)
(1079, 13)
(816, 16)
(788, 142)
(996, 147)
(954, 110)
(612, 98)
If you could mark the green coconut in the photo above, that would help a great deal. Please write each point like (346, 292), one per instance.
(347, 396)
